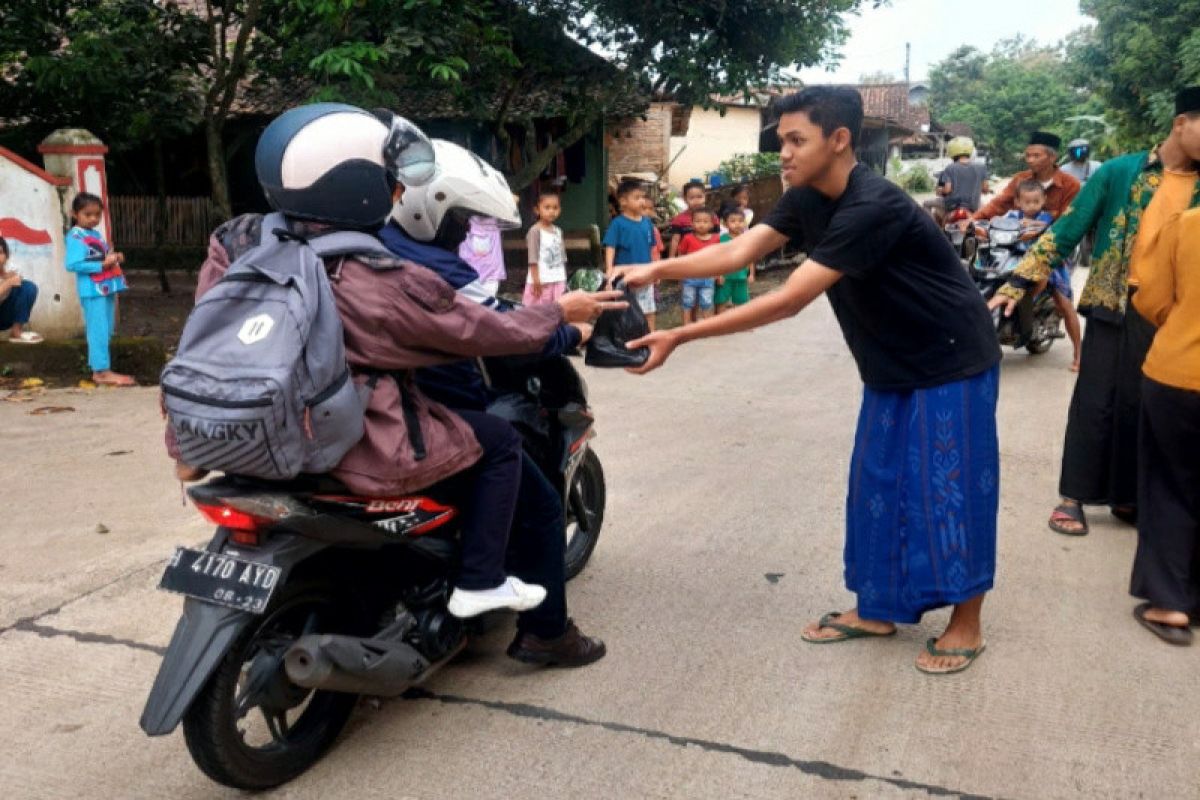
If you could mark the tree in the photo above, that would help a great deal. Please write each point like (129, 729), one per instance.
(121, 68)
(1005, 95)
(492, 55)
(1136, 57)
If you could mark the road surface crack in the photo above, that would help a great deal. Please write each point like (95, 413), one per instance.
(818, 769)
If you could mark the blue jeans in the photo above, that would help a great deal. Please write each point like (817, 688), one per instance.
(699, 293)
(16, 308)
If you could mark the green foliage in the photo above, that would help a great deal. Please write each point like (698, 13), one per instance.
(1136, 58)
(121, 68)
(1005, 95)
(749, 166)
(915, 180)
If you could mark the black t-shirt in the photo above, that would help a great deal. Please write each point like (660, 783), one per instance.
(909, 312)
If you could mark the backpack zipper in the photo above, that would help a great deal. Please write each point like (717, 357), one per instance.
(210, 401)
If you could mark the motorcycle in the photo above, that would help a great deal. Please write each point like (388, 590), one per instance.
(307, 597)
(1035, 323)
(963, 241)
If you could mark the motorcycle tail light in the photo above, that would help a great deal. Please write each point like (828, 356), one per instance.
(246, 527)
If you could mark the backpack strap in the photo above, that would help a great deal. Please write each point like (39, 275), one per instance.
(408, 406)
(349, 243)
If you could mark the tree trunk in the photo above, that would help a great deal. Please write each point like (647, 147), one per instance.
(160, 226)
(530, 172)
(217, 176)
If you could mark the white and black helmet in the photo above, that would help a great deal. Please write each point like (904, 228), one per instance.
(462, 185)
(335, 163)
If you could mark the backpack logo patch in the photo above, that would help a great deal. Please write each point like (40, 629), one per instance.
(255, 329)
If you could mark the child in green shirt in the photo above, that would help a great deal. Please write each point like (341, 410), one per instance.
(733, 289)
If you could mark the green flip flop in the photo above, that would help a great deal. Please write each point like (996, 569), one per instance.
(969, 655)
(847, 631)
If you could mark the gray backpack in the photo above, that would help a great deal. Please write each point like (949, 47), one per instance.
(260, 385)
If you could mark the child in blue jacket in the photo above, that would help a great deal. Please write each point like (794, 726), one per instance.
(98, 278)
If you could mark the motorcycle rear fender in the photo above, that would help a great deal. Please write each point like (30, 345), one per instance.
(205, 633)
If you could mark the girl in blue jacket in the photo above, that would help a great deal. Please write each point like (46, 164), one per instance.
(98, 278)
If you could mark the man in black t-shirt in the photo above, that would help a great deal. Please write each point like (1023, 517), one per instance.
(924, 477)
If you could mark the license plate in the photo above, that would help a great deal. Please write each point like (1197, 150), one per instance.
(220, 579)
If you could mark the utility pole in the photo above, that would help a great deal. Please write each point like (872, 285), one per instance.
(907, 60)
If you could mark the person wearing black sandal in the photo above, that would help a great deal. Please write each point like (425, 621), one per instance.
(1125, 204)
(1166, 570)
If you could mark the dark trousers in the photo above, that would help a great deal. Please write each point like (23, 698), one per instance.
(1099, 465)
(1166, 569)
(537, 551)
(513, 523)
(16, 308)
(486, 496)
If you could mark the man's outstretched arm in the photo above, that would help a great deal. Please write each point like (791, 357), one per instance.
(801, 288)
(710, 262)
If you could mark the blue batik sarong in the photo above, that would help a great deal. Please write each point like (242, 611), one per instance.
(924, 495)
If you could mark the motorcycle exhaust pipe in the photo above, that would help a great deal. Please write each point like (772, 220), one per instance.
(353, 665)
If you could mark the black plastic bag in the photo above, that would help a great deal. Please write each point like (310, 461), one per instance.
(613, 329)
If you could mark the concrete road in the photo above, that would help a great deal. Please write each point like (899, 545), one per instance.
(726, 482)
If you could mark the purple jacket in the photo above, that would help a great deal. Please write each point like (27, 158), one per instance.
(400, 316)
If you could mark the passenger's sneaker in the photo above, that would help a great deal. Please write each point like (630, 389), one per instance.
(513, 593)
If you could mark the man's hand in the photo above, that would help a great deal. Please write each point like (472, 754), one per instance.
(661, 344)
(580, 306)
(635, 277)
(1003, 302)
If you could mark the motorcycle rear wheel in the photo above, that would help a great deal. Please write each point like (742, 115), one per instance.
(585, 501)
(252, 671)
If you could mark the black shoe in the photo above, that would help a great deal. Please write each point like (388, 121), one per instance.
(572, 649)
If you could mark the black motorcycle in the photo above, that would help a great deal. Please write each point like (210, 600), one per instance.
(308, 596)
(1035, 323)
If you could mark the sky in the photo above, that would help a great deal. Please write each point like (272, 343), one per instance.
(936, 27)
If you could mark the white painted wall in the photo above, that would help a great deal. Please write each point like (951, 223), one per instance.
(711, 139)
(29, 200)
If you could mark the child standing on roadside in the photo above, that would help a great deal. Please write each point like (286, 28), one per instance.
(697, 297)
(649, 213)
(681, 224)
(733, 289)
(546, 280)
(17, 297)
(98, 278)
(629, 240)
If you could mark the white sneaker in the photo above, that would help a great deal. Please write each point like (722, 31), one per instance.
(513, 593)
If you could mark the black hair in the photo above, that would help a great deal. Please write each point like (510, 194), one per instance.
(687, 187)
(730, 209)
(707, 211)
(629, 185)
(4, 246)
(83, 200)
(550, 191)
(1030, 186)
(827, 107)
(738, 189)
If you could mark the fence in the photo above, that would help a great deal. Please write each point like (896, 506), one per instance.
(189, 221)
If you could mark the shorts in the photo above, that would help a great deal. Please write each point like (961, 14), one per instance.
(736, 291)
(645, 299)
(1060, 281)
(697, 295)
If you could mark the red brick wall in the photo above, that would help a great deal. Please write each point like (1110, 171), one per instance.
(638, 145)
